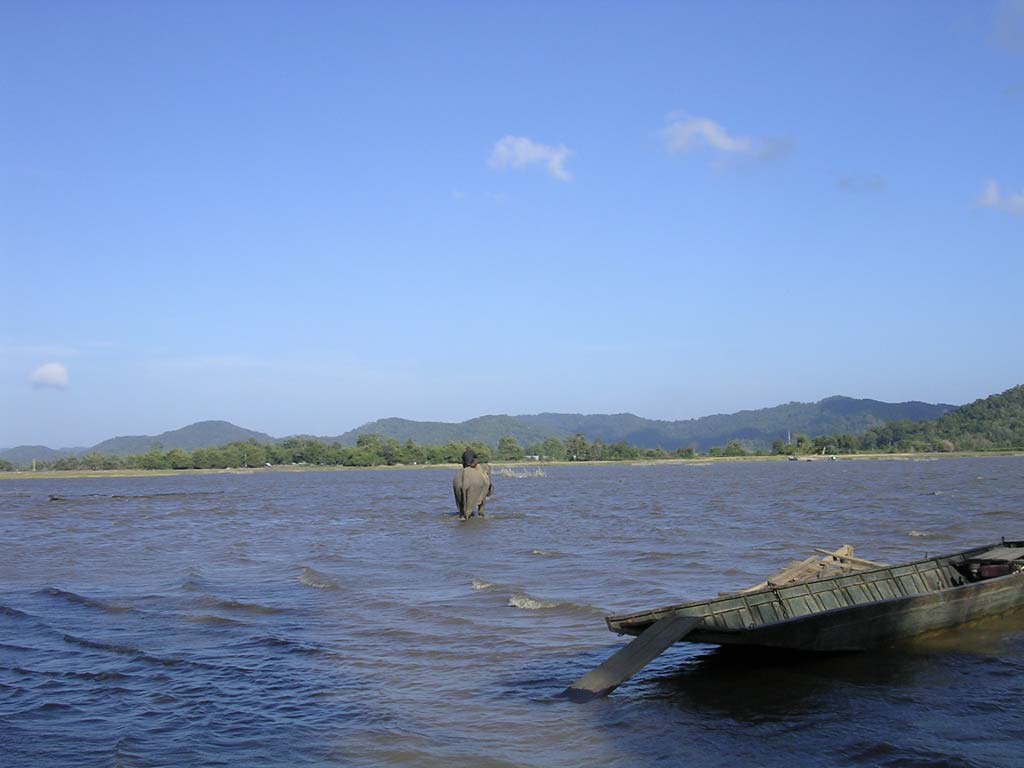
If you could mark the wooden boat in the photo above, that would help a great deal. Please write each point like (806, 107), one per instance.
(806, 608)
(859, 610)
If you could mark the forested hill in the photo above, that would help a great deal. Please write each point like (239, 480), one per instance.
(992, 423)
(202, 434)
(755, 428)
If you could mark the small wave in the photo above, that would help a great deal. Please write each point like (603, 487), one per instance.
(527, 603)
(546, 553)
(478, 584)
(918, 533)
(73, 597)
(135, 653)
(657, 557)
(124, 650)
(8, 611)
(10, 647)
(215, 621)
(524, 602)
(52, 706)
(313, 578)
(291, 646)
(238, 605)
(521, 472)
(74, 675)
(103, 676)
(168, 495)
(194, 581)
(1000, 513)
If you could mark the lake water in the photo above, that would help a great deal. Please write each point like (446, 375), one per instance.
(348, 619)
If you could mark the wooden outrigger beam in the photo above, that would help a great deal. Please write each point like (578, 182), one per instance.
(630, 659)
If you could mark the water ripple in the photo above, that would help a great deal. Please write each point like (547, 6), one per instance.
(345, 618)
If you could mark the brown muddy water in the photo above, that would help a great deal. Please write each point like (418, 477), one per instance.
(348, 619)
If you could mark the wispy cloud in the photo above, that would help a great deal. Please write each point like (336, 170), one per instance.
(520, 152)
(50, 376)
(993, 197)
(685, 133)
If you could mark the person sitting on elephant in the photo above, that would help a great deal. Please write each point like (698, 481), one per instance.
(472, 485)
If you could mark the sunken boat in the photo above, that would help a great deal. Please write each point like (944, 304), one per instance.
(872, 607)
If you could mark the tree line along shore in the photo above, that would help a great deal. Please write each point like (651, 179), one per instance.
(374, 451)
(48, 472)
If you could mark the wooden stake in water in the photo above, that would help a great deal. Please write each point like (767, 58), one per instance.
(629, 660)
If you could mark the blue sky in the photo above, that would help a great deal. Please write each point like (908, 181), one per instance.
(300, 217)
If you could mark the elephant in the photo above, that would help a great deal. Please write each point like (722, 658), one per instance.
(472, 486)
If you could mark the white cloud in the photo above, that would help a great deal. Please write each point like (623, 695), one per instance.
(993, 197)
(520, 152)
(53, 375)
(685, 134)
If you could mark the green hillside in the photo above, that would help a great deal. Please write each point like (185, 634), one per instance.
(202, 434)
(992, 423)
(754, 428)
(24, 455)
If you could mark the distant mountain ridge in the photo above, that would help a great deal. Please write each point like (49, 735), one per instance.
(755, 428)
(24, 455)
(202, 434)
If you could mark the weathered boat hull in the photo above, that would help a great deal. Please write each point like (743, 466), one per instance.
(857, 611)
(869, 626)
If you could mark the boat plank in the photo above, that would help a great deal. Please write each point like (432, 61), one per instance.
(848, 558)
(629, 660)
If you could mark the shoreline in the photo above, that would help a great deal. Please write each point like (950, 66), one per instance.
(78, 474)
